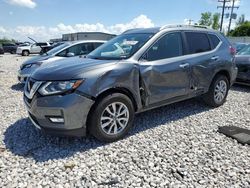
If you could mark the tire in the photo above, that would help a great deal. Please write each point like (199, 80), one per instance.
(217, 94)
(110, 121)
(25, 53)
(13, 52)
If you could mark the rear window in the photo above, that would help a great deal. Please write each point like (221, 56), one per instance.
(197, 42)
(214, 39)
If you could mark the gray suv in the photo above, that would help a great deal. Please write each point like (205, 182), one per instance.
(138, 70)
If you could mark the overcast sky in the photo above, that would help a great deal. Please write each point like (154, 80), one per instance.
(46, 19)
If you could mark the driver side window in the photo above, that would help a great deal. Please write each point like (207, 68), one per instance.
(168, 46)
(73, 49)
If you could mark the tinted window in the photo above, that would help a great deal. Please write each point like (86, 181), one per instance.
(197, 42)
(97, 44)
(79, 49)
(214, 39)
(86, 48)
(42, 44)
(168, 46)
(7, 44)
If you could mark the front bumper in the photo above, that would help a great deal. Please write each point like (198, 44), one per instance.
(73, 108)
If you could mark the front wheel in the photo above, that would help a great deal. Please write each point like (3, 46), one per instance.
(111, 118)
(218, 91)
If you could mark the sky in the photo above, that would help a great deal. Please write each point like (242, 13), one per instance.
(46, 19)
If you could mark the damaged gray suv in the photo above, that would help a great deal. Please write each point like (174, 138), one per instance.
(138, 70)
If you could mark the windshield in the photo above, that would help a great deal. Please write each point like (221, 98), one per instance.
(121, 47)
(245, 51)
(57, 49)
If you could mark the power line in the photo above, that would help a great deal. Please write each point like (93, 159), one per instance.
(224, 6)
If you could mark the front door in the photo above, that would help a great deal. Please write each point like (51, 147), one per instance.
(165, 73)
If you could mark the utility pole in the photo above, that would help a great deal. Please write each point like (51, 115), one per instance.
(190, 21)
(223, 10)
(231, 16)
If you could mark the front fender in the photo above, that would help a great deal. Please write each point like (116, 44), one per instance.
(117, 76)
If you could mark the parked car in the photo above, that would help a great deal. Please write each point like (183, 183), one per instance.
(1, 49)
(9, 47)
(52, 45)
(136, 71)
(65, 50)
(239, 46)
(242, 60)
(31, 49)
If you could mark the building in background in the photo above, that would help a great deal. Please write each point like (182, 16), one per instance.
(84, 36)
(87, 36)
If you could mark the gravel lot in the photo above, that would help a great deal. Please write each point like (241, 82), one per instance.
(174, 146)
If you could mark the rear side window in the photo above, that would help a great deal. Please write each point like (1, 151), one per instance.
(168, 46)
(197, 42)
(42, 44)
(214, 39)
(97, 44)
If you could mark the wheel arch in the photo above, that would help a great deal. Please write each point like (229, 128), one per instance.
(121, 90)
(225, 73)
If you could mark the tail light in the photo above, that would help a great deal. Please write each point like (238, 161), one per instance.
(232, 50)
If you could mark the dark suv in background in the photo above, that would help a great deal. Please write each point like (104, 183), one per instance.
(9, 47)
(136, 71)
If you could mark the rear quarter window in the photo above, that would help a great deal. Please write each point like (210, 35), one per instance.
(197, 42)
(214, 39)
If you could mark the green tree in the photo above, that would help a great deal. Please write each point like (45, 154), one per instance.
(206, 19)
(216, 19)
(241, 30)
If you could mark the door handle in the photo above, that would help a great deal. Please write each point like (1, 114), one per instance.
(184, 66)
(214, 58)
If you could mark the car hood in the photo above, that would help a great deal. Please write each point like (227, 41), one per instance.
(242, 59)
(36, 59)
(70, 68)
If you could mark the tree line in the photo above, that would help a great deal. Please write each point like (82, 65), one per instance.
(212, 20)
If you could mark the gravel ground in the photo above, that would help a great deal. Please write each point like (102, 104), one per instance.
(174, 146)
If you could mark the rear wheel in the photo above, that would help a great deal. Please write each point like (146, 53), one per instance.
(218, 91)
(25, 53)
(111, 118)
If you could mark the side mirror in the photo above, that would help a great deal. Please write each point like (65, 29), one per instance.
(70, 54)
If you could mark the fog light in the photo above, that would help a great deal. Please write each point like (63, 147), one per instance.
(56, 120)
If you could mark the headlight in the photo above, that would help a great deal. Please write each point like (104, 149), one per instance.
(57, 87)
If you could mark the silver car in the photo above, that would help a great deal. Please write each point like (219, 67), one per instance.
(63, 51)
(136, 71)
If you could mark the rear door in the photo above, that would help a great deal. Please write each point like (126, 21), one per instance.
(164, 72)
(35, 49)
(201, 57)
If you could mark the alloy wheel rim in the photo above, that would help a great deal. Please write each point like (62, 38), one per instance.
(220, 91)
(114, 118)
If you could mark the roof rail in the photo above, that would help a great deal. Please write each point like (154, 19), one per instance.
(183, 25)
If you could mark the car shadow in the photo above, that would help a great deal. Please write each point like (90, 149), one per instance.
(17, 87)
(22, 138)
(241, 88)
